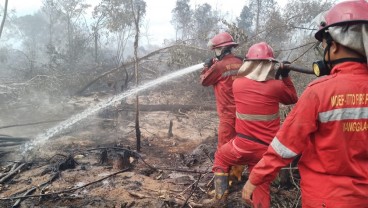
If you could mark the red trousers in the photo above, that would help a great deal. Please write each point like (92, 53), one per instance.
(326, 203)
(226, 131)
(239, 151)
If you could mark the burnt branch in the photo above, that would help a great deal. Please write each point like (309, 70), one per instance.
(67, 190)
(12, 172)
(17, 203)
(195, 185)
(137, 155)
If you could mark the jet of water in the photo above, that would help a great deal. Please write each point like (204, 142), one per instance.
(42, 138)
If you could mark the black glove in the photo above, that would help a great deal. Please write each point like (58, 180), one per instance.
(283, 70)
(208, 62)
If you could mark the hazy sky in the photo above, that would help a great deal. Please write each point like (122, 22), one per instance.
(158, 13)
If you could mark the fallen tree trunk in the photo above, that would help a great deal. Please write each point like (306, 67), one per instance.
(128, 64)
(164, 107)
(30, 124)
(8, 141)
(12, 139)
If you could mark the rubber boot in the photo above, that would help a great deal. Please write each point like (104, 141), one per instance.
(221, 192)
(235, 173)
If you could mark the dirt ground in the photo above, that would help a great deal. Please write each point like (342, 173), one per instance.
(169, 171)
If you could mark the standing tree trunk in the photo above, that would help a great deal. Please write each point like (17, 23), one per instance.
(136, 12)
(259, 4)
(95, 35)
(4, 17)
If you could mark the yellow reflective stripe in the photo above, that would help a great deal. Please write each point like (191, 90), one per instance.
(254, 117)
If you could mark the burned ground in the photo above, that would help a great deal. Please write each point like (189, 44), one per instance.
(95, 165)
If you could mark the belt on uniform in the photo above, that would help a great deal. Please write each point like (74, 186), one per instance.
(252, 139)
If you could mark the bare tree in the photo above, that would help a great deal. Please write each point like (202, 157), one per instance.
(115, 17)
(205, 21)
(72, 10)
(261, 9)
(4, 17)
(245, 19)
(302, 12)
(50, 9)
(32, 30)
(138, 9)
(182, 19)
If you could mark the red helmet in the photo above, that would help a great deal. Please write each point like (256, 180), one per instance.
(221, 40)
(260, 51)
(344, 13)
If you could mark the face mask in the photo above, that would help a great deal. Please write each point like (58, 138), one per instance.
(218, 52)
(320, 68)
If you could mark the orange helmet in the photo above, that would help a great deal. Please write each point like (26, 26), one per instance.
(348, 12)
(260, 51)
(221, 40)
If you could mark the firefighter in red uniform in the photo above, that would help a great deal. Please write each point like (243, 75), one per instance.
(220, 72)
(257, 96)
(329, 124)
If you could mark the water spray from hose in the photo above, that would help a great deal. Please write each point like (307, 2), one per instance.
(42, 138)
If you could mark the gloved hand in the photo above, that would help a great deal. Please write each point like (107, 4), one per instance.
(208, 62)
(283, 70)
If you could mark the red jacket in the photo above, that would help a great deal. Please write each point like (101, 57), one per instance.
(257, 106)
(221, 75)
(329, 127)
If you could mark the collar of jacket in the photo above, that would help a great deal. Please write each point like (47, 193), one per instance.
(350, 67)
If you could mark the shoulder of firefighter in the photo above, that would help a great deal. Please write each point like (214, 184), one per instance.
(321, 80)
(220, 70)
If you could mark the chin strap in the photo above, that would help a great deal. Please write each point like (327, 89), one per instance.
(328, 64)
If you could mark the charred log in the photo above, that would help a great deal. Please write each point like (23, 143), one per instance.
(169, 133)
(122, 161)
(174, 108)
(104, 159)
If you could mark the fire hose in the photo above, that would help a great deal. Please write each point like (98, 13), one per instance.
(296, 68)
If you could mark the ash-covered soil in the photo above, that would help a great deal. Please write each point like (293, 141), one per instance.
(95, 163)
